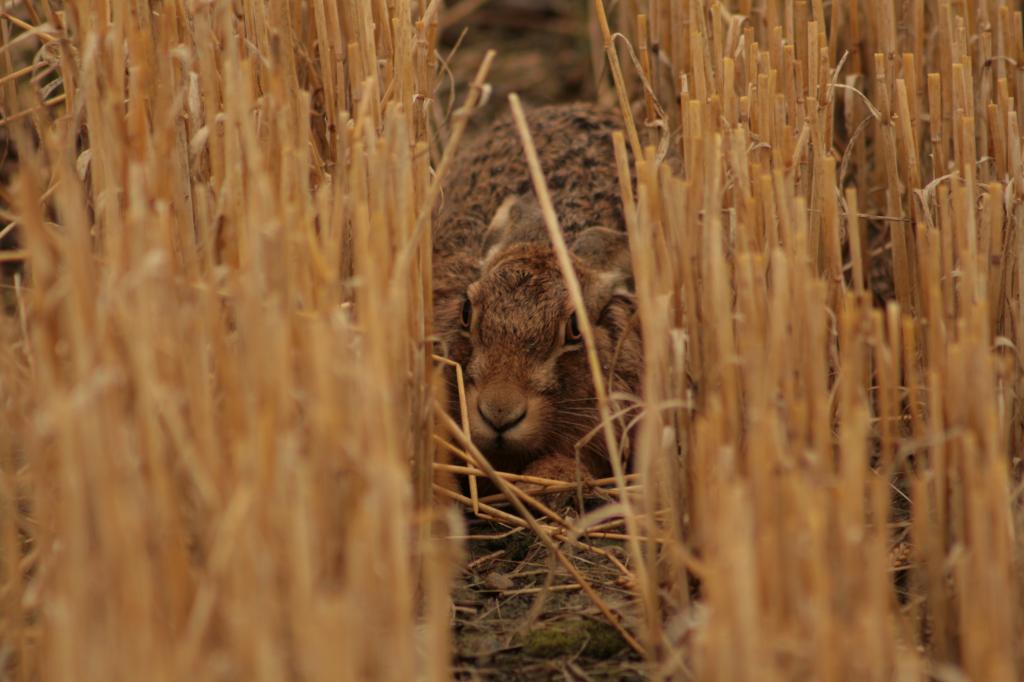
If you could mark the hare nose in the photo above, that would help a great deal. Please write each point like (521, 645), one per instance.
(502, 406)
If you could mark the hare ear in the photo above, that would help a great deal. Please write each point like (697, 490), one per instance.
(605, 250)
(518, 219)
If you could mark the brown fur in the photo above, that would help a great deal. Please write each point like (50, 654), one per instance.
(575, 149)
(491, 246)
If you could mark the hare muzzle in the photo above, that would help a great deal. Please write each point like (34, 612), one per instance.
(502, 407)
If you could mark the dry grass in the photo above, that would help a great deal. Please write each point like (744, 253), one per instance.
(217, 425)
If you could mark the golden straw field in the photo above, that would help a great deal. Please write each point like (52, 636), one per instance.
(222, 450)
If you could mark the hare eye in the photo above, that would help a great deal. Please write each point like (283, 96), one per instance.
(572, 330)
(466, 316)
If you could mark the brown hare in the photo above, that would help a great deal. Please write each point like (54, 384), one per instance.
(502, 309)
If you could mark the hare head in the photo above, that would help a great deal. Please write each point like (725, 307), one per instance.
(509, 321)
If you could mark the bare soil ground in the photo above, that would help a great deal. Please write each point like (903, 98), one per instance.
(520, 616)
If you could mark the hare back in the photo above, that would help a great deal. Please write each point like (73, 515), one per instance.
(574, 145)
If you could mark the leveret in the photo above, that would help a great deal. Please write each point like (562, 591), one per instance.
(502, 309)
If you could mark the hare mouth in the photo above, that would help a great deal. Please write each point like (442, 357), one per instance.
(508, 451)
(505, 454)
(500, 444)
